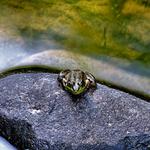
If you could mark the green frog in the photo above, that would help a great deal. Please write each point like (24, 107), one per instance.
(76, 82)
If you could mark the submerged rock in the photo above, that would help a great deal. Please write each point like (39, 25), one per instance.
(114, 72)
(37, 114)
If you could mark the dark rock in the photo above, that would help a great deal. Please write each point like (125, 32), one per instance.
(141, 142)
(36, 114)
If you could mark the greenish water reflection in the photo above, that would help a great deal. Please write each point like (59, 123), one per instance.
(113, 28)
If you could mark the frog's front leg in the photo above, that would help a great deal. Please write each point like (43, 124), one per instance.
(91, 81)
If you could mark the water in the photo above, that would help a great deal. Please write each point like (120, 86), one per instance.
(13, 49)
(106, 28)
(119, 29)
(5, 145)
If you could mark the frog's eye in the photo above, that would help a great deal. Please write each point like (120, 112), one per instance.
(64, 82)
(62, 75)
(78, 84)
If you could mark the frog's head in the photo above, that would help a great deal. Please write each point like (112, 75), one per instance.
(75, 88)
(76, 81)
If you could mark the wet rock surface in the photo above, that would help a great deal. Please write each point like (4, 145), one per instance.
(36, 114)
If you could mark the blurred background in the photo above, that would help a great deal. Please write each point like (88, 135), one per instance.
(100, 29)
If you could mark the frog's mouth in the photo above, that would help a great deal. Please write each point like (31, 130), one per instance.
(75, 92)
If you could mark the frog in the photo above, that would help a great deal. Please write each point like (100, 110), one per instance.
(76, 82)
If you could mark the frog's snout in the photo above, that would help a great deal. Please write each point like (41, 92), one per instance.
(76, 87)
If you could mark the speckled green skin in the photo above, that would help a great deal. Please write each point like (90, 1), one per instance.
(76, 82)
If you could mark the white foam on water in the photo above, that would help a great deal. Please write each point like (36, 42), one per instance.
(5, 145)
